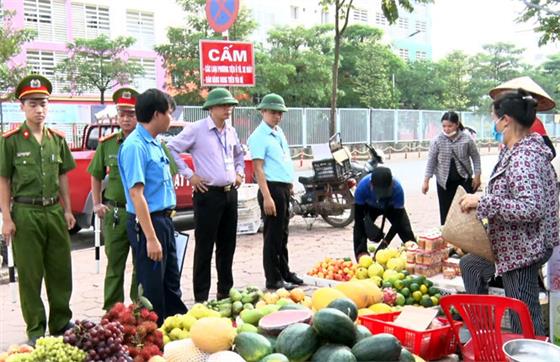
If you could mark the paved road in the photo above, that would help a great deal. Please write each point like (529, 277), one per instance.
(306, 248)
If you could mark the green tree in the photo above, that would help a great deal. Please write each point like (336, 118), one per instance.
(342, 10)
(455, 70)
(373, 83)
(547, 75)
(181, 53)
(98, 63)
(11, 40)
(547, 15)
(497, 63)
(297, 65)
(356, 42)
(421, 85)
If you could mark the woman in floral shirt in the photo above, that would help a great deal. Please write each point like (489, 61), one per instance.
(521, 205)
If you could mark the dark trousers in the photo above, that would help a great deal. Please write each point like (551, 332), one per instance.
(275, 233)
(215, 218)
(522, 284)
(160, 280)
(445, 196)
(400, 224)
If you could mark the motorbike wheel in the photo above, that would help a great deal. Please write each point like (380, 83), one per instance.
(347, 216)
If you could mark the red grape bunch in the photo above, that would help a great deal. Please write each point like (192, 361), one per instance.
(101, 342)
(140, 331)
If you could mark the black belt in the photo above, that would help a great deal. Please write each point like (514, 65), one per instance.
(226, 188)
(166, 213)
(114, 203)
(37, 201)
(280, 184)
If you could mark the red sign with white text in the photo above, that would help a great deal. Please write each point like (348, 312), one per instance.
(226, 63)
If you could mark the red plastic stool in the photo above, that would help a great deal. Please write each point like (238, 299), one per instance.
(482, 315)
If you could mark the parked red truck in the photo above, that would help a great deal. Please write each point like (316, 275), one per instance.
(80, 180)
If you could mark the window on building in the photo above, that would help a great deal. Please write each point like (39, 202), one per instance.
(420, 55)
(294, 12)
(47, 18)
(403, 23)
(380, 19)
(44, 63)
(325, 17)
(360, 15)
(403, 53)
(421, 25)
(148, 80)
(90, 21)
(140, 25)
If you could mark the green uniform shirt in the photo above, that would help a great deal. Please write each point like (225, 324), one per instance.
(105, 161)
(34, 168)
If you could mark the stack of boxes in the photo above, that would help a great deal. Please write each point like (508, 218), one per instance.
(248, 210)
(427, 257)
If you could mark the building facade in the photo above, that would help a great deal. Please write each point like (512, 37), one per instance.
(410, 37)
(58, 22)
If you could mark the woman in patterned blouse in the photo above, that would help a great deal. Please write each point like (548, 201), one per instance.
(521, 205)
(450, 156)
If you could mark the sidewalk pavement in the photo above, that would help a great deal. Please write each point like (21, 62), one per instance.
(306, 247)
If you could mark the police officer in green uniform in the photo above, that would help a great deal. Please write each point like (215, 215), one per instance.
(34, 161)
(111, 204)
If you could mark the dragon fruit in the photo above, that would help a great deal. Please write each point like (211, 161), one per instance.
(389, 296)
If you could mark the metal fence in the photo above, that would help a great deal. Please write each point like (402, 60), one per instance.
(308, 126)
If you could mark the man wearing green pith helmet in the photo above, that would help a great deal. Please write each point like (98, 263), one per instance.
(275, 173)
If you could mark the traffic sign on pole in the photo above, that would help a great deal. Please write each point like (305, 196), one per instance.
(221, 14)
(227, 63)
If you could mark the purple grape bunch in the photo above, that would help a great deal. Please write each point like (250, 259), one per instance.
(101, 342)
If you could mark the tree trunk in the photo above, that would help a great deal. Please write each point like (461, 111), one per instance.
(332, 123)
(102, 96)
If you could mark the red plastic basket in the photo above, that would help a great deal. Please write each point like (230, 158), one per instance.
(430, 344)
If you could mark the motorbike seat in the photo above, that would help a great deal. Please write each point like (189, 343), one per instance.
(306, 180)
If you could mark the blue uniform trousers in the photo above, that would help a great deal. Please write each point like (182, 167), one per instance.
(160, 280)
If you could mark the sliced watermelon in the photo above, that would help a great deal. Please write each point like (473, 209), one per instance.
(276, 322)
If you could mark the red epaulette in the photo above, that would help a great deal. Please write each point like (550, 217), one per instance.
(108, 137)
(10, 133)
(57, 133)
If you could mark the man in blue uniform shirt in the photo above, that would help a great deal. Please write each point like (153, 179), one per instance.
(150, 200)
(379, 194)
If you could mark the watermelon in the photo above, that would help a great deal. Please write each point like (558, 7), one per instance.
(380, 347)
(362, 332)
(334, 326)
(333, 353)
(406, 356)
(276, 322)
(298, 342)
(346, 306)
(275, 357)
(252, 346)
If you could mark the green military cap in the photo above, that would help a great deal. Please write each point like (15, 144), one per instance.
(125, 97)
(33, 84)
(218, 97)
(273, 102)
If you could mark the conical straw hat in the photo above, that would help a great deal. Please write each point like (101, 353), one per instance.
(545, 101)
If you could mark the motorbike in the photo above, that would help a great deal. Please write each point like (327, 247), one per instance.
(329, 193)
(360, 169)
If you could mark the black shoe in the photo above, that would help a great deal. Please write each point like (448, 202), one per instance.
(220, 296)
(294, 279)
(68, 326)
(32, 341)
(280, 284)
